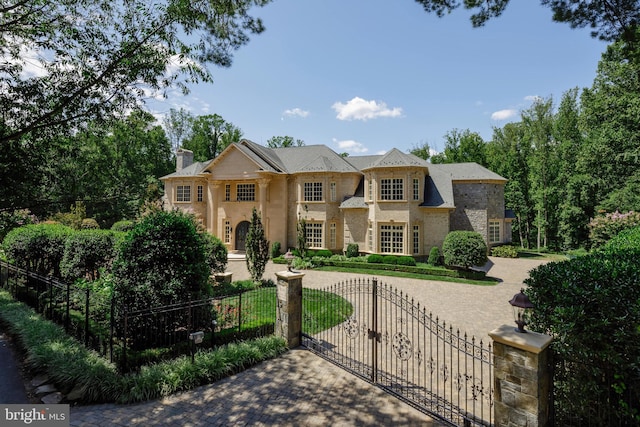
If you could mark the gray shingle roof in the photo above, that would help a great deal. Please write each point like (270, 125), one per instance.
(467, 171)
(192, 170)
(312, 158)
(355, 202)
(392, 158)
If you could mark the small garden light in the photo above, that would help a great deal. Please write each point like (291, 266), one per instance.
(521, 309)
(289, 258)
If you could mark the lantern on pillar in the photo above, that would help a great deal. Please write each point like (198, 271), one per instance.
(522, 308)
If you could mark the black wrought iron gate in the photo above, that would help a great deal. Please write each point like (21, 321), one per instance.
(383, 336)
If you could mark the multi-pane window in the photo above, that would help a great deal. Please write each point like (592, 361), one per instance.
(312, 191)
(227, 192)
(494, 232)
(227, 232)
(314, 234)
(392, 189)
(246, 192)
(370, 239)
(370, 189)
(416, 189)
(332, 191)
(200, 193)
(332, 235)
(416, 239)
(391, 238)
(183, 193)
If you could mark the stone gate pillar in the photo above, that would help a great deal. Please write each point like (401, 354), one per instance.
(289, 307)
(522, 378)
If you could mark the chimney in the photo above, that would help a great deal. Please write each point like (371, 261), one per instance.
(184, 159)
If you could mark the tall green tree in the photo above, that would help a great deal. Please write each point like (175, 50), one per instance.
(611, 107)
(257, 248)
(508, 155)
(111, 169)
(421, 150)
(99, 58)
(608, 20)
(178, 127)
(538, 123)
(209, 136)
(284, 141)
(462, 146)
(575, 191)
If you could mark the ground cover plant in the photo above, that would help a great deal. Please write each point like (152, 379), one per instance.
(48, 350)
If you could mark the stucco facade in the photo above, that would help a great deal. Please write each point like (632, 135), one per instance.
(394, 203)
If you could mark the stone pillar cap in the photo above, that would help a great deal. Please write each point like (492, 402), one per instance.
(532, 342)
(287, 275)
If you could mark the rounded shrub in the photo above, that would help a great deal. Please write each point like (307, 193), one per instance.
(434, 256)
(505, 251)
(375, 259)
(324, 253)
(215, 252)
(390, 259)
(353, 250)
(464, 249)
(406, 260)
(89, 224)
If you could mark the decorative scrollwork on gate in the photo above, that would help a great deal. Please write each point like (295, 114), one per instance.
(402, 346)
(351, 327)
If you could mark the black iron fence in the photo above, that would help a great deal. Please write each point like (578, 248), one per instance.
(132, 338)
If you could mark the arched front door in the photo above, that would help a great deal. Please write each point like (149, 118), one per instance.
(241, 235)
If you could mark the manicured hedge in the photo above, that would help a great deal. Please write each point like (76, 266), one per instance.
(591, 306)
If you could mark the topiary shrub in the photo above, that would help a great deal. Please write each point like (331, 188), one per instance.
(389, 259)
(216, 253)
(353, 250)
(505, 251)
(275, 250)
(375, 259)
(434, 256)
(590, 306)
(324, 253)
(257, 248)
(406, 260)
(464, 249)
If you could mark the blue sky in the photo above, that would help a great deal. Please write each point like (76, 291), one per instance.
(364, 76)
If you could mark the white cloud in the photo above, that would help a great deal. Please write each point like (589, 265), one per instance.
(361, 109)
(351, 146)
(295, 112)
(532, 98)
(504, 114)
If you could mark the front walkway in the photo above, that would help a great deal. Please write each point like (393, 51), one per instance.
(296, 389)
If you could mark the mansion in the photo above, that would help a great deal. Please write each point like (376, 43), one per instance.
(395, 203)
